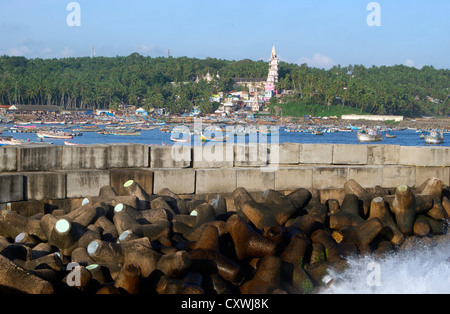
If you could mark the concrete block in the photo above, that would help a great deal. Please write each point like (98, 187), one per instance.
(251, 155)
(11, 187)
(84, 157)
(213, 155)
(291, 178)
(179, 181)
(215, 181)
(8, 158)
(39, 157)
(344, 154)
(128, 155)
(175, 156)
(316, 154)
(383, 154)
(393, 176)
(329, 177)
(424, 173)
(255, 180)
(44, 185)
(425, 156)
(285, 153)
(366, 176)
(85, 183)
(144, 177)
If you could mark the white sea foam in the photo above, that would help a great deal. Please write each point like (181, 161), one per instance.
(419, 270)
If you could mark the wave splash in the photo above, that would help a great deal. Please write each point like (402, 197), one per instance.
(418, 270)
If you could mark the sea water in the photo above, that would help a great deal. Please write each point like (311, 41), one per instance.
(156, 137)
(422, 269)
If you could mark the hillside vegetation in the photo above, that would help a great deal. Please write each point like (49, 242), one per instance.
(101, 83)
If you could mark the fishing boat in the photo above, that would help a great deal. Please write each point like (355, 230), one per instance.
(434, 138)
(369, 136)
(203, 138)
(390, 136)
(180, 140)
(265, 132)
(71, 144)
(8, 140)
(316, 132)
(354, 128)
(127, 133)
(55, 135)
(217, 138)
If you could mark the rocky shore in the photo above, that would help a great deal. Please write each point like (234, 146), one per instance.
(229, 244)
(419, 124)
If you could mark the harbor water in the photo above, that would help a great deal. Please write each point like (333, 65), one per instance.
(156, 137)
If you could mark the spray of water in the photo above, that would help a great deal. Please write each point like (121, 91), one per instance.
(419, 270)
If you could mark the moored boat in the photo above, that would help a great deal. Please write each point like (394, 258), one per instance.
(180, 140)
(369, 136)
(217, 138)
(56, 135)
(203, 138)
(126, 133)
(8, 140)
(317, 132)
(434, 138)
(71, 144)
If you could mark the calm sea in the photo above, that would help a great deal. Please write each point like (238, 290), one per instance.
(156, 137)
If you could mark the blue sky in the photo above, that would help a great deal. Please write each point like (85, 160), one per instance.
(321, 33)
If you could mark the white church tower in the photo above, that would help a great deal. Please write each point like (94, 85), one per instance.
(272, 77)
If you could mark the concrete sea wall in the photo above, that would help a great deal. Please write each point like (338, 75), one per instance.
(49, 172)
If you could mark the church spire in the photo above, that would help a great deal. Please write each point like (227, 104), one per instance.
(274, 52)
(273, 69)
(272, 77)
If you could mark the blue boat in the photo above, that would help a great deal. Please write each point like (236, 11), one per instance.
(354, 128)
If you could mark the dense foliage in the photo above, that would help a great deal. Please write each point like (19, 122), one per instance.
(100, 83)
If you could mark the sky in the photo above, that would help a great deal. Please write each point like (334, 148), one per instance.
(320, 33)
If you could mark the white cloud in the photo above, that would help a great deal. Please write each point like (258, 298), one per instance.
(19, 51)
(45, 53)
(66, 53)
(409, 63)
(318, 61)
(149, 49)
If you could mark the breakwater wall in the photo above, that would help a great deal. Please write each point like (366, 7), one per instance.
(49, 172)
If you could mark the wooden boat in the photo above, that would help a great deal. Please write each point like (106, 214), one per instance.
(56, 135)
(203, 138)
(390, 136)
(217, 138)
(126, 133)
(8, 140)
(71, 144)
(354, 128)
(165, 130)
(180, 140)
(316, 132)
(369, 136)
(434, 138)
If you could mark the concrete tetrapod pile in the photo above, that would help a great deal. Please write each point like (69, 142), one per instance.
(163, 244)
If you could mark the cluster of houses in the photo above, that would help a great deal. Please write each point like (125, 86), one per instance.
(252, 95)
(239, 100)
